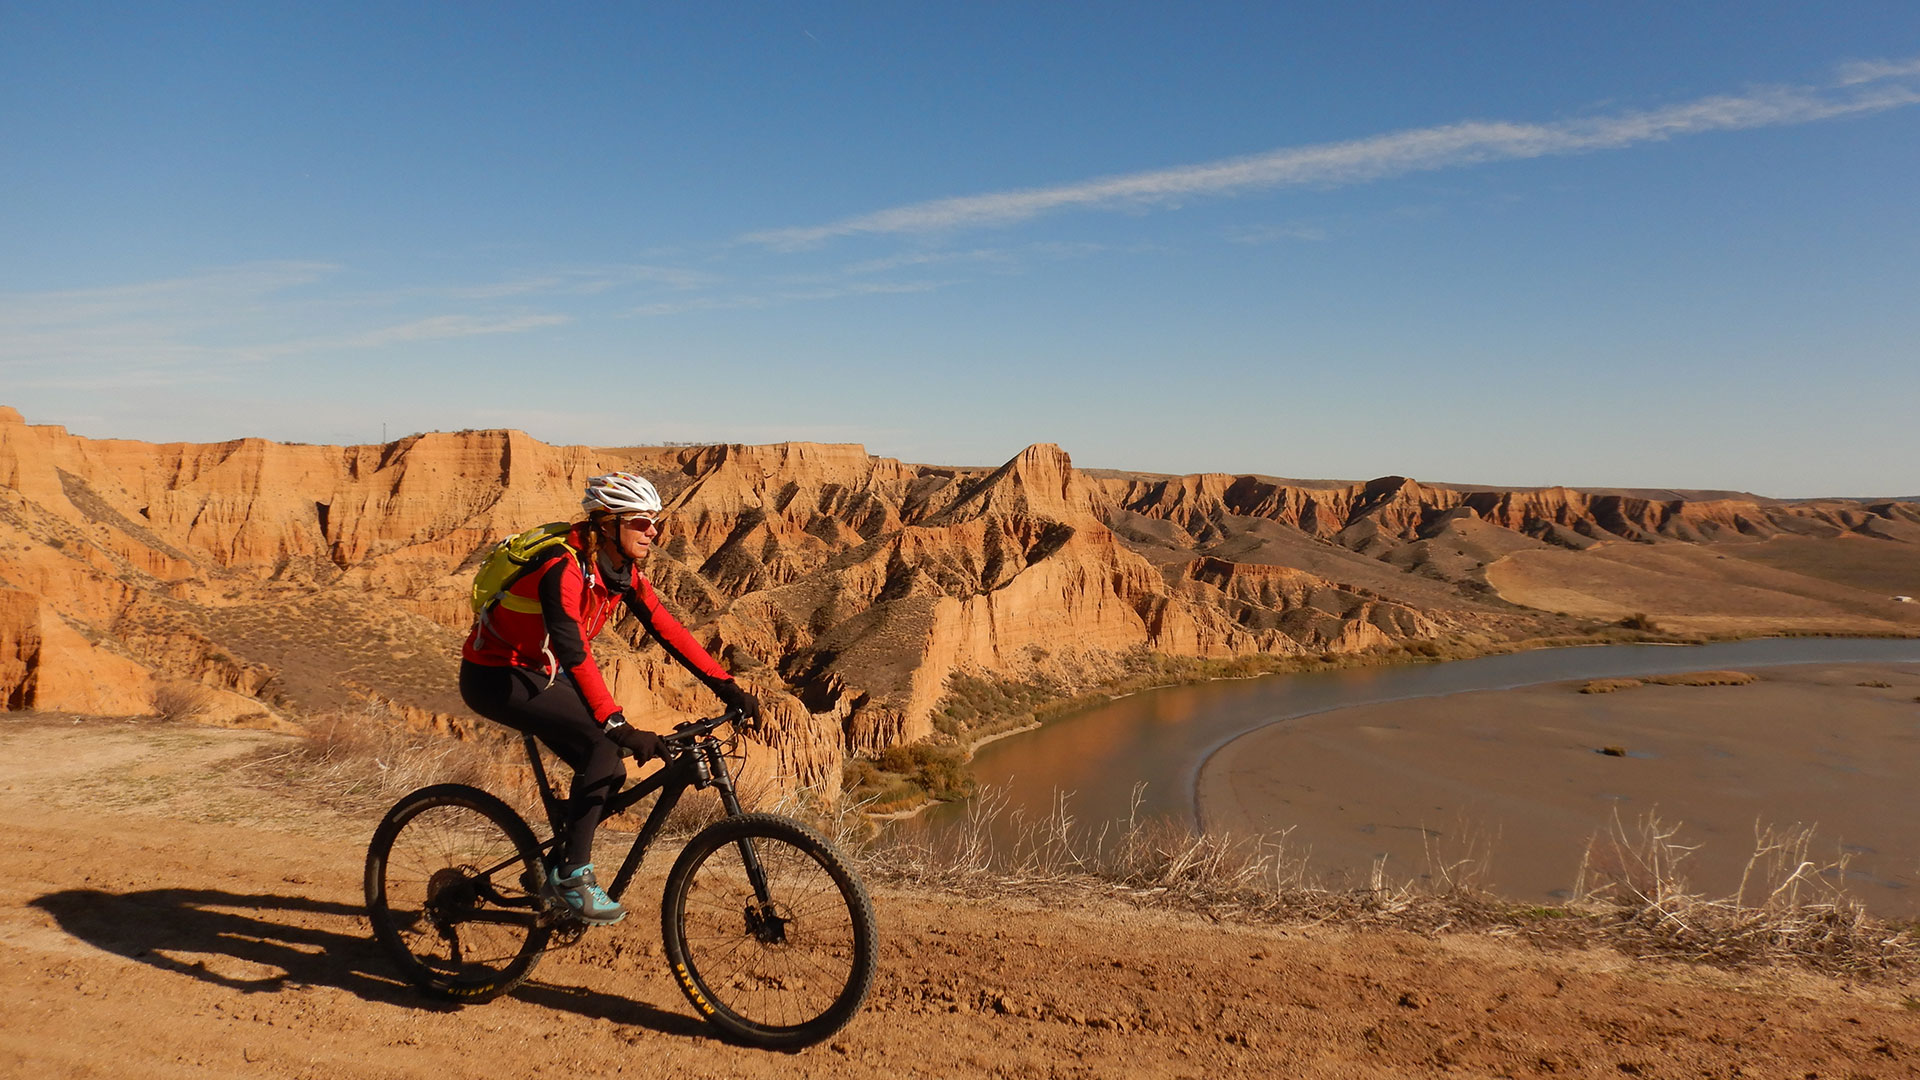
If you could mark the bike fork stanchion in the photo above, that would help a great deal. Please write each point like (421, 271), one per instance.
(722, 778)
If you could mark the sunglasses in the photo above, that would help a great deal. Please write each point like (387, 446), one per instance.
(640, 523)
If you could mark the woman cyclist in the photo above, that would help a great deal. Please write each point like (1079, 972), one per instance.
(528, 663)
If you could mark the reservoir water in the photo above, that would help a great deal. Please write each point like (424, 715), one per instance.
(1158, 740)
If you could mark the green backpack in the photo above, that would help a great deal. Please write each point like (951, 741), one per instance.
(508, 560)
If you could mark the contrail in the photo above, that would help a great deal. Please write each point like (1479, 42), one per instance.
(1863, 87)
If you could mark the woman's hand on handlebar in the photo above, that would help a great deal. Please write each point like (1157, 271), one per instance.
(644, 744)
(739, 701)
(687, 731)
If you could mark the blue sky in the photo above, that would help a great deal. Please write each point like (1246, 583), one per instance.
(1627, 244)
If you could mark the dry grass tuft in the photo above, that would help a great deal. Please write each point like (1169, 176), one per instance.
(1789, 905)
(1705, 678)
(1692, 678)
(1632, 895)
(364, 759)
(183, 702)
(1157, 864)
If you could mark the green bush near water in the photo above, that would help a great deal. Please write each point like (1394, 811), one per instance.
(906, 776)
(975, 706)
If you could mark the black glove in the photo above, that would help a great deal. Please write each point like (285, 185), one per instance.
(644, 744)
(734, 697)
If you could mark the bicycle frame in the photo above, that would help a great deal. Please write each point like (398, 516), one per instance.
(700, 763)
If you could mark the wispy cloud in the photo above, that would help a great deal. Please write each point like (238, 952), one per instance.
(699, 303)
(931, 258)
(862, 288)
(1275, 234)
(1866, 71)
(624, 428)
(1862, 87)
(771, 299)
(436, 328)
(136, 334)
(199, 327)
(216, 290)
(583, 281)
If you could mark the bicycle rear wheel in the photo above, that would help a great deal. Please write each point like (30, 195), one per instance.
(782, 969)
(453, 879)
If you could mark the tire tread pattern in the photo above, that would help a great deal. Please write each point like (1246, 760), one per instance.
(410, 806)
(711, 1006)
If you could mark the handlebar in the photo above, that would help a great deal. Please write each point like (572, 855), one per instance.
(687, 734)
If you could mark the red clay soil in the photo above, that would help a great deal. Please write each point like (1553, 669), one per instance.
(160, 921)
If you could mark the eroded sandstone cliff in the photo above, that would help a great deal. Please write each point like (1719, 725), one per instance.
(846, 589)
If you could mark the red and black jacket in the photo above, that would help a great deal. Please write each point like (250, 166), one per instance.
(551, 613)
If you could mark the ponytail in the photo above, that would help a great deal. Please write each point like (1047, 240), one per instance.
(590, 551)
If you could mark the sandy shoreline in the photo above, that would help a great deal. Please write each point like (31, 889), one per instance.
(1517, 773)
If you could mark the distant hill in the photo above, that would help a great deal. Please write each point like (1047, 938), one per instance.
(849, 589)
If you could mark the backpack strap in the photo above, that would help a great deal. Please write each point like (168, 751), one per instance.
(515, 602)
(527, 605)
(524, 605)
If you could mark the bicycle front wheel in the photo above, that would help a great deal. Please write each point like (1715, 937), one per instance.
(768, 933)
(453, 878)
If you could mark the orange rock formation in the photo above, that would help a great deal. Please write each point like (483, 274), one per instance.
(845, 588)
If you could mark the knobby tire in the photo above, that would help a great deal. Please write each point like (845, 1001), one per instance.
(781, 978)
(452, 891)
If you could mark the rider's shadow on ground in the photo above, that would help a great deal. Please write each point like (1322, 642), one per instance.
(234, 940)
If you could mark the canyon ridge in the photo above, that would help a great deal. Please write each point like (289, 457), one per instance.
(266, 581)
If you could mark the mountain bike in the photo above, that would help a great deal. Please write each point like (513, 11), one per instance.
(767, 931)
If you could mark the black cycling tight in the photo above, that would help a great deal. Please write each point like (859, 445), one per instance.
(558, 717)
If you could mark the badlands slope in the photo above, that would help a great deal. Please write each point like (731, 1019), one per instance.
(845, 588)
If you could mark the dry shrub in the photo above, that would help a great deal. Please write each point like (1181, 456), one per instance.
(1705, 678)
(1153, 863)
(849, 826)
(1693, 678)
(364, 759)
(183, 702)
(1789, 905)
(1632, 895)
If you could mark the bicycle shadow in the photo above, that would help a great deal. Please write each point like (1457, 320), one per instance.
(235, 940)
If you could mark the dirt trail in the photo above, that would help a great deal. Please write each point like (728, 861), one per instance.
(156, 920)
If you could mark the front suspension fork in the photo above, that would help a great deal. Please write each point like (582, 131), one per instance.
(717, 774)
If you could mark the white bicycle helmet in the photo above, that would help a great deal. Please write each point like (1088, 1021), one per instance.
(621, 493)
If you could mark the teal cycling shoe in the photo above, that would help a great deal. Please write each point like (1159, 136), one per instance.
(583, 896)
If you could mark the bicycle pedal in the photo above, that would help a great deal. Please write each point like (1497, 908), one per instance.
(556, 913)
